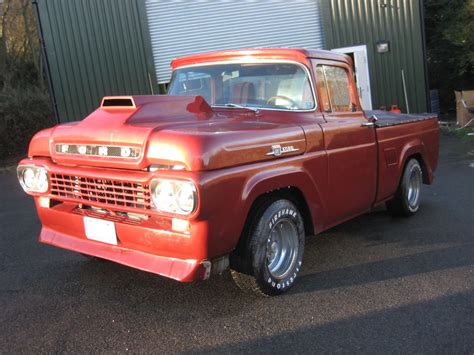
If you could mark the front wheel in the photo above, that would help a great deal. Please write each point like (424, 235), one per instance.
(406, 201)
(275, 246)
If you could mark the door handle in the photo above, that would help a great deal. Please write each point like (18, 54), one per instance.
(371, 121)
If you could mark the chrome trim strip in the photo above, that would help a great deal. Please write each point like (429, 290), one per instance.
(92, 150)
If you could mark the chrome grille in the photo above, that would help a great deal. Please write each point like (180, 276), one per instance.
(101, 191)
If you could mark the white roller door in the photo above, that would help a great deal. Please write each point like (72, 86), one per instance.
(180, 28)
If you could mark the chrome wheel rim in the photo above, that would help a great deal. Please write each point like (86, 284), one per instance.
(414, 187)
(282, 248)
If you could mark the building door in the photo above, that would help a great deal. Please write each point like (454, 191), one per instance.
(361, 71)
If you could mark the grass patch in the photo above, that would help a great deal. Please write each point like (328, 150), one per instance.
(464, 134)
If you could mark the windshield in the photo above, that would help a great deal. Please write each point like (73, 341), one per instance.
(262, 85)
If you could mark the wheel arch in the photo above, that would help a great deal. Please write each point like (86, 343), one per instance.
(416, 150)
(262, 190)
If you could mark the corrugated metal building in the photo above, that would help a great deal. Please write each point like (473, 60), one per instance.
(111, 47)
(399, 23)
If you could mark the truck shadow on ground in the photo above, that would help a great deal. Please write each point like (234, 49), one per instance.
(420, 246)
(442, 325)
(382, 270)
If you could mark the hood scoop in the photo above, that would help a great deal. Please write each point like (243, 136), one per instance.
(122, 102)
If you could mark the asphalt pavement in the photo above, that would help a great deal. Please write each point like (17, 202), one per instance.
(377, 284)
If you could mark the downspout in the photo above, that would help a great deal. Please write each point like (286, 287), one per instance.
(423, 44)
(46, 66)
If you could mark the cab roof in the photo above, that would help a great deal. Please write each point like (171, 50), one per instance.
(293, 54)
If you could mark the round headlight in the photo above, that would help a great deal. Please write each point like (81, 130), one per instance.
(173, 196)
(185, 197)
(29, 178)
(163, 196)
(42, 181)
(33, 178)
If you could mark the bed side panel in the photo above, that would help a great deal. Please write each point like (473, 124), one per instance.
(396, 144)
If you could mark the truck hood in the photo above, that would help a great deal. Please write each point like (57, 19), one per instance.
(171, 131)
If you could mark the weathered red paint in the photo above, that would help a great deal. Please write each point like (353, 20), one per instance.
(341, 168)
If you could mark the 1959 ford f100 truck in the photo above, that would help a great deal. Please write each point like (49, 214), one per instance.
(250, 151)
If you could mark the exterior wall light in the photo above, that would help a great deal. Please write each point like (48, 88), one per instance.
(382, 46)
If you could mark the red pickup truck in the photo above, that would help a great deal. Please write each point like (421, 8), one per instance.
(250, 152)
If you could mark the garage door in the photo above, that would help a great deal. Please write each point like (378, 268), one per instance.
(181, 28)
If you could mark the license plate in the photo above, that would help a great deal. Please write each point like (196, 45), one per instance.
(100, 230)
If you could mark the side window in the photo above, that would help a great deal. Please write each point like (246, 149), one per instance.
(334, 88)
(322, 89)
(338, 85)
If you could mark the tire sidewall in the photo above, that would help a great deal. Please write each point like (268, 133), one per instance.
(411, 165)
(277, 211)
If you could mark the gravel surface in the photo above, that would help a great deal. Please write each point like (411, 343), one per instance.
(377, 284)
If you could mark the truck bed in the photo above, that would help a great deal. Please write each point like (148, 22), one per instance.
(386, 118)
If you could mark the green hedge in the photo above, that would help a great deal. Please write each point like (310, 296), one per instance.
(23, 112)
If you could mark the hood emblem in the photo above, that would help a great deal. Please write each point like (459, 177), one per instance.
(278, 150)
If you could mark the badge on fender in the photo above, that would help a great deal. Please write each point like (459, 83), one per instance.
(278, 150)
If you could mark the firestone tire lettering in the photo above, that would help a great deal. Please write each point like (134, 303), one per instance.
(262, 281)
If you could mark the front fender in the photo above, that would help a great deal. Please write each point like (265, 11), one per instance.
(39, 144)
(284, 177)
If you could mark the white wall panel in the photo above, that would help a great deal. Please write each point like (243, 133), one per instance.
(179, 28)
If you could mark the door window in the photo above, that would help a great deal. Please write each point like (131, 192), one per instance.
(334, 88)
(322, 89)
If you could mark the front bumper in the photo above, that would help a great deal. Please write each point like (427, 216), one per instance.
(180, 270)
(144, 246)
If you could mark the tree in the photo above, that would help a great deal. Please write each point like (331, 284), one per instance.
(450, 47)
(20, 55)
(24, 102)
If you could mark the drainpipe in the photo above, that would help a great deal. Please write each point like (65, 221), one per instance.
(46, 66)
(425, 66)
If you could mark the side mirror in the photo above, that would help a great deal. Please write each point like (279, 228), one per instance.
(373, 118)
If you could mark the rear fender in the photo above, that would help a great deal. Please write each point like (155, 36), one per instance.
(416, 147)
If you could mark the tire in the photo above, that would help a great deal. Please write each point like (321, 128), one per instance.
(275, 248)
(406, 201)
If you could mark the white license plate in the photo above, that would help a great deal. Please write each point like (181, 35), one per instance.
(100, 230)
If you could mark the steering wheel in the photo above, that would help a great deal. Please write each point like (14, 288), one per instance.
(291, 102)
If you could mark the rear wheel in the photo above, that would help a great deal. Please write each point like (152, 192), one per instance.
(406, 201)
(275, 247)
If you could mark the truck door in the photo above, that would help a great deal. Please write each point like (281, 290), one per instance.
(350, 143)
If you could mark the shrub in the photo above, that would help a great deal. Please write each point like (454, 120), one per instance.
(23, 112)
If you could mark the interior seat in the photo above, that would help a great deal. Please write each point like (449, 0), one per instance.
(243, 93)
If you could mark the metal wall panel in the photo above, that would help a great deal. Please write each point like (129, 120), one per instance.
(357, 22)
(94, 48)
(180, 28)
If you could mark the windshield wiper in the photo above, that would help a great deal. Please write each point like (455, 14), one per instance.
(256, 110)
